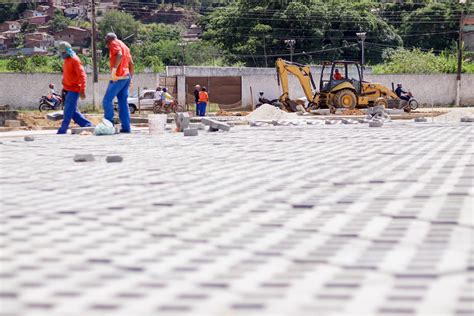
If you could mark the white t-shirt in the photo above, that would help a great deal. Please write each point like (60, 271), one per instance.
(158, 95)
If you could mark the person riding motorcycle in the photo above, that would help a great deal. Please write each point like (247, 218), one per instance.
(53, 96)
(166, 98)
(402, 94)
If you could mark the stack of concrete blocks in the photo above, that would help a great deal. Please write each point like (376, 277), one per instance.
(55, 116)
(467, 119)
(183, 124)
(214, 125)
(377, 115)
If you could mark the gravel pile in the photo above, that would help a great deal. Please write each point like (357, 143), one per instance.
(269, 112)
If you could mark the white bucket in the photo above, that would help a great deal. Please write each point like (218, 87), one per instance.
(157, 123)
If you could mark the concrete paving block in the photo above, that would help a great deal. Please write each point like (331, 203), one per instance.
(29, 138)
(223, 126)
(12, 123)
(182, 121)
(191, 132)
(83, 157)
(114, 158)
(55, 116)
(78, 130)
(375, 123)
(208, 121)
(420, 119)
(349, 121)
(467, 119)
(198, 126)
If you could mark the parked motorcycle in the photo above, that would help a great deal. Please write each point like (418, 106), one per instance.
(161, 108)
(263, 100)
(47, 105)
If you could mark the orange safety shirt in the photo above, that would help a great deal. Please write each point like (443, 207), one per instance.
(115, 47)
(203, 96)
(74, 75)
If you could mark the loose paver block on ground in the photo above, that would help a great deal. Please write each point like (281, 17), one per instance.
(276, 220)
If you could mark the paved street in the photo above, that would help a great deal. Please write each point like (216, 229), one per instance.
(269, 221)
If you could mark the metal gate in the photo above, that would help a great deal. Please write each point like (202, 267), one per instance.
(226, 92)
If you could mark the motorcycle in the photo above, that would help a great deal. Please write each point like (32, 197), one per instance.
(46, 105)
(262, 100)
(412, 102)
(161, 108)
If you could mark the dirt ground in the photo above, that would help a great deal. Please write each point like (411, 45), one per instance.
(36, 120)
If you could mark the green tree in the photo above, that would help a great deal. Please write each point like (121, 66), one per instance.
(60, 22)
(250, 29)
(122, 24)
(434, 26)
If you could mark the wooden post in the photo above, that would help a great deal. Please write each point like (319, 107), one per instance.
(251, 97)
(139, 102)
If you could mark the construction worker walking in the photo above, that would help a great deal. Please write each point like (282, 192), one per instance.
(74, 86)
(121, 71)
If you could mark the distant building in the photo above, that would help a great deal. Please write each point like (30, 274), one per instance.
(35, 51)
(75, 35)
(468, 35)
(13, 35)
(32, 13)
(38, 20)
(38, 39)
(5, 42)
(193, 33)
(73, 12)
(10, 26)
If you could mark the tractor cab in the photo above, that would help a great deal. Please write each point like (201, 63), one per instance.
(335, 73)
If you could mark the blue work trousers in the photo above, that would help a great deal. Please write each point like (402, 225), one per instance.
(201, 108)
(71, 112)
(118, 89)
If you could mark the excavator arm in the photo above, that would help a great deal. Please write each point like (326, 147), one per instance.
(302, 72)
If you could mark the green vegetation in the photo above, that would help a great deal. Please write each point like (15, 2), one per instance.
(403, 61)
(412, 36)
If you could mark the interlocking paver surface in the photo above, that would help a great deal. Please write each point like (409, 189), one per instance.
(273, 220)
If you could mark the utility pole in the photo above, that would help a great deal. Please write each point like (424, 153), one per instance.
(290, 43)
(265, 52)
(458, 77)
(361, 36)
(183, 50)
(94, 57)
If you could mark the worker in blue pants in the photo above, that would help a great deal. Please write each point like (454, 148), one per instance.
(121, 69)
(71, 112)
(74, 86)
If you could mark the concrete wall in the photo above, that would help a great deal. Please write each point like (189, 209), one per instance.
(437, 89)
(24, 90)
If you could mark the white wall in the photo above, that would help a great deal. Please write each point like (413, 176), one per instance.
(24, 90)
(427, 89)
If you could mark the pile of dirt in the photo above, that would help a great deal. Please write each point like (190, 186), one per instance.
(353, 112)
(36, 119)
(269, 112)
(225, 113)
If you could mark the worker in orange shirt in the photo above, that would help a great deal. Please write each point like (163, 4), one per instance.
(203, 100)
(121, 71)
(74, 86)
(338, 75)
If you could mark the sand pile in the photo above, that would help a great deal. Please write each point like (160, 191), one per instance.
(269, 112)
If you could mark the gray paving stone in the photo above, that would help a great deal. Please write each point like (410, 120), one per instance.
(191, 132)
(277, 220)
(29, 138)
(55, 116)
(83, 157)
(114, 158)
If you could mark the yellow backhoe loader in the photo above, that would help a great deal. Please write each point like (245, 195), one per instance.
(346, 90)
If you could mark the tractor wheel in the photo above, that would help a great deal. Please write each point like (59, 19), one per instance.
(346, 99)
(381, 101)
